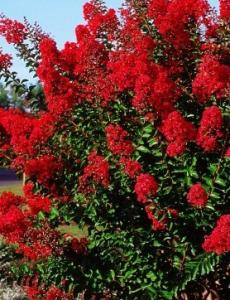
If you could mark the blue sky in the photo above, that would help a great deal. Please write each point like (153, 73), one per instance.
(56, 17)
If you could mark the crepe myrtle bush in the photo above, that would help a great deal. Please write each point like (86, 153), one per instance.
(127, 159)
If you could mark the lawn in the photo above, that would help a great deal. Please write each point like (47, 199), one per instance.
(14, 187)
(73, 230)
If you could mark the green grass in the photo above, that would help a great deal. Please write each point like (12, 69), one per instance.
(73, 230)
(15, 188)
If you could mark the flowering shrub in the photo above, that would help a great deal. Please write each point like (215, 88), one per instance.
(127, 156)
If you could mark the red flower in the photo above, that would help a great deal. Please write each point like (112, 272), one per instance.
(37, 243)
(155, 89)
(38, 203)
(197, 196)
(210, 128)
(8, 199)
(43, 129)
(225, 10)
(36, 251)
(227, 153)
(32, 292)
(177, 132)
(131, 167)
(82, 33)
(13, 222)
(13, 31)
(156, 224)
(172, 212)
(43, 169)
(219, 239)
(165, 13)
(150, 117)
(117, 140)
(145, 187)
(212, 78)
(79, 245)
(5, 61)
(18, 126)
(28, 189)
(97, 170)
(55, 293)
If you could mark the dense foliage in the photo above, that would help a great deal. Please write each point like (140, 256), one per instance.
(126, 155)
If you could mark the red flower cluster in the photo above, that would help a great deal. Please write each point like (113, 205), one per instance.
(145, 187)
(13, 221)
(197, 196)
(83, 71)
(58, 89)
(75, 74)
(43, 129)
(38, 243)
(35, 292)
(43, 169)
(210, 128)
(118, 144)
(177, 132)
(165, 13)
(227, 153)
(26, 132)
(219, 239)
(99, 20)
(38, 203)
(172, 212)
(79, 245)
(35, 251)
(212, 79)
(117, 140)
(97, 171)
(19, 127)
(28, 189)
(13, 31)
(5, 61)
(55, 293)
(16, 226)
(156, 90)
(131, 167)
(225, 10)
(159, 217)
(156, 224)
(32, 292)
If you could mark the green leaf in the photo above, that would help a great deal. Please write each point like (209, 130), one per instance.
(151, 276)
(129, 274)
(148, 129)
(156, 243)
(112, 274)
(41, 216)
(54, 213)
(214, 195)
(168, 295)
(212, 168)
(152, 142)
(221, 182)
(143, 149)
